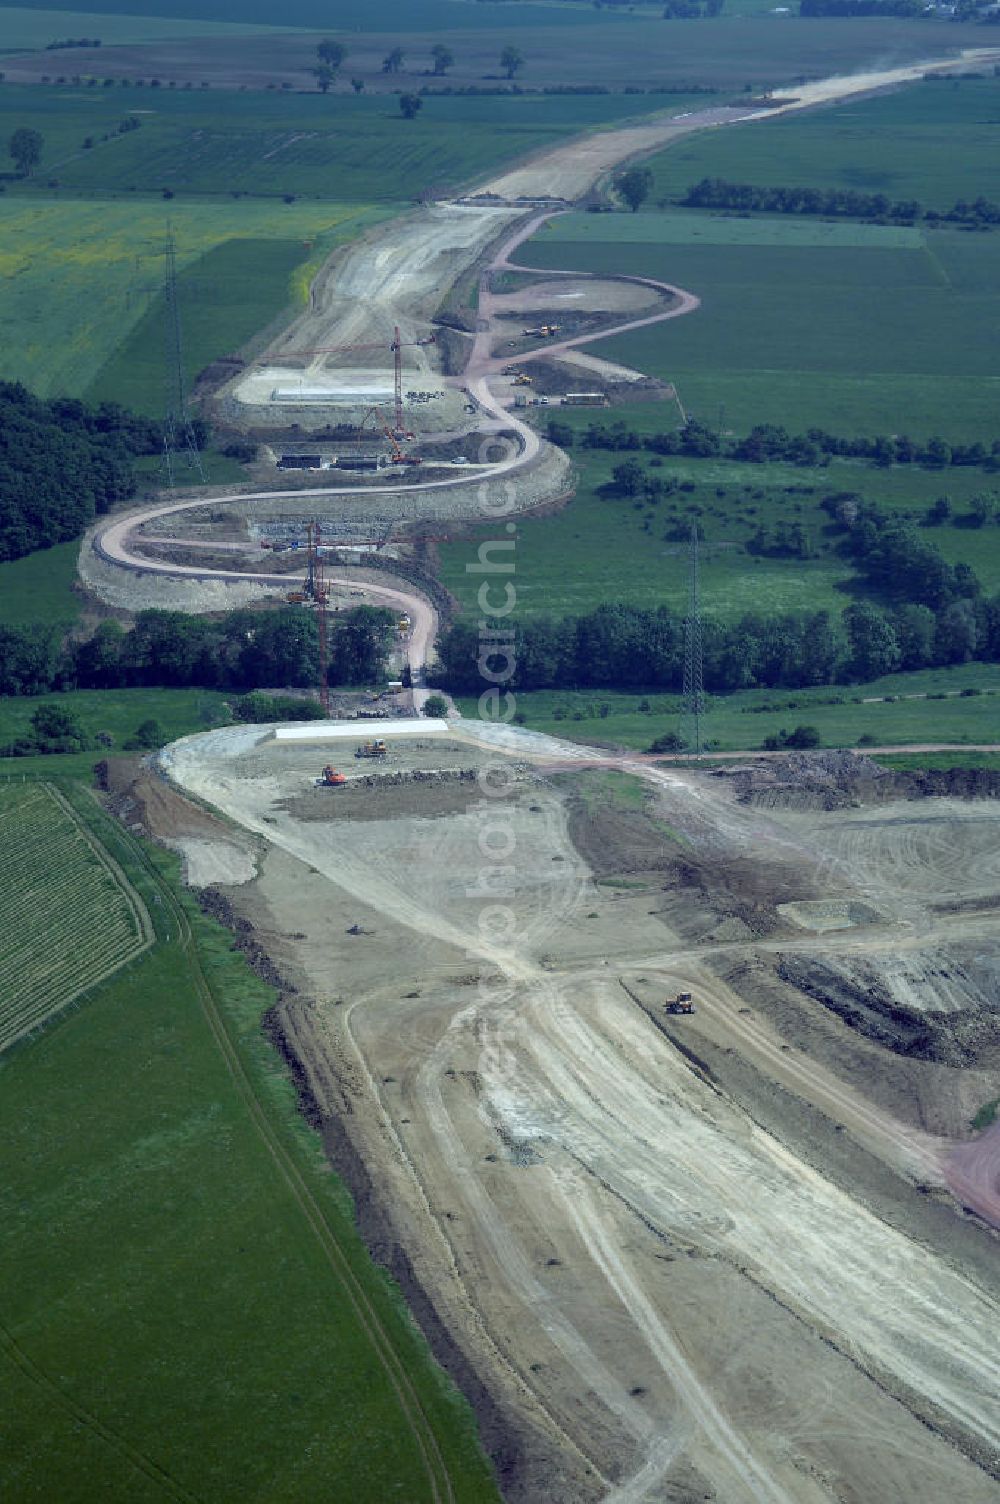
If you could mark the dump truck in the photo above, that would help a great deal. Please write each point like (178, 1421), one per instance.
(682, 1003)
(331, 779)
(372, 749)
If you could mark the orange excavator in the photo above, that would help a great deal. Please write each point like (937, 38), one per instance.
(331, 779)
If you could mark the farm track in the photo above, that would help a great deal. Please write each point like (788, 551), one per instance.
(86, 1418)
(437, 1475)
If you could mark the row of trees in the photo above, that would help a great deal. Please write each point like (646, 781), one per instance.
(243, 650)
(61, 465)
(832, 203)
(768, 442)
(628, 647)
(932, 613)
(331, 56)
(691, 10)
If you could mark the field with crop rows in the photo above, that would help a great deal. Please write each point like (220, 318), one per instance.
(67, 920)
(176, 1256)
(340, 147)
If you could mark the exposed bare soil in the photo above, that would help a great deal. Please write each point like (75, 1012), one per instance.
(668, 1258)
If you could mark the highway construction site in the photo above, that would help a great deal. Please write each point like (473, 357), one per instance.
(741, 1253)
(730, 1254)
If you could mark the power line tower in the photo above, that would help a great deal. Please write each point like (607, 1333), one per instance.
(693, 704)
(180, 446)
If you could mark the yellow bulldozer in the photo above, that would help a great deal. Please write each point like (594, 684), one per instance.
(376, 748)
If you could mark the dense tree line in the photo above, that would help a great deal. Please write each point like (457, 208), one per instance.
(629, 647)
(832, 203)
(768, 442)
(61, 465)
(932, 614)
(243, 650)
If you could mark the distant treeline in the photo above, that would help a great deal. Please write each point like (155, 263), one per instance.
(962, 10)
(861, 7)
(933, 614)
(769, 442)
(72, 42)
(832, 203)
(628, 647)
(243, 650)
(61, 465)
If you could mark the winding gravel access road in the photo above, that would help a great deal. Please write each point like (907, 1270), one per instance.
(568, 171)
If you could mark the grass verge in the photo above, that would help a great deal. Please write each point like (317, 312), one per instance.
(841, 714)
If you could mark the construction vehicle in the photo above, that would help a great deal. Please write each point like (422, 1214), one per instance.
(682, 1003)
(399, 457)
(523, 380)
(403, 624)
(296, 597)
(331, 779)
(372, 749)
(544, 331)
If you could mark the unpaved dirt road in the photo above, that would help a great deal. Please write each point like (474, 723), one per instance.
(396, 277)
(668, 1292)
(973, 1172)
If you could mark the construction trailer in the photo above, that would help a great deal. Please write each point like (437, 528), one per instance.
(301, 462)
(367, 462)
(585, 399)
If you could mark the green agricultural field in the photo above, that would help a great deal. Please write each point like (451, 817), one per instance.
(934, 142)
(23, 28)
(76, 278)
(68, 917)
(118, 712)
(351, 15)
(38, 589)
(187, 1310)
(606, 549)
(340, 147)
(566, 43)
(602, 547)
(226, 298)
(861, 338)
(741, 721)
